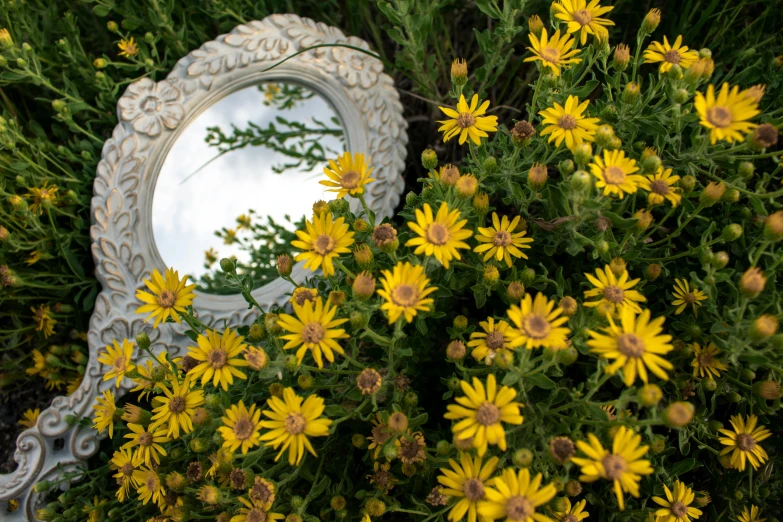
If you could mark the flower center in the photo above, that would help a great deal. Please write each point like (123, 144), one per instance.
(127, 469)
(303, 296)
(630, 345)
(659, 186)
(614, 465)
(217, 358)
(519, 508)
(409, 449)
(719, 116)
(152, 483)
(380, 435)
(405, 295)
(566, 122)
(487, 414)
(678, 509)
(672, 56)
(536, 326)
(550, 54)
(120, 363)
(177, 404)
(466, 120)
(323, 244)
(145, 439)
(437, 234)
(260, 492)
(295, 423)
(570, 518)
(614, 175)
(502, 238)
(705, 359)
(350, 179)
(473, 489)
(614, 294)
(256, 515)
(313, 333)
(745, 442)
(166, 299)
(583, 17)
(243, 428)
(494, 340)
(689, 298)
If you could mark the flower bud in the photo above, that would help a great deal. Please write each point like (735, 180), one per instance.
(305, 382)
(569, 306)
(361, 225)
(535, 25)
(143, 341)
(537, 176)
(680, 96)
(199, 445)
(622, 54)
(644, 218)
(284, 265)
(363, 286)
(764, 327)
(491, 275)
(460, 323)
(522, 132)
(490, 164)
(650, 395)
(745, 170)
(731, 232)
(455, 351)
(481, 203)
(631, 92)
(398, 422)
(256, 358)
(752, 282)
(449, 174)
(515, 291)
(429, 159)
(604, 135)
(375, 507)
(573, 488)
(359, 320)
(562, 449)
(678, 414)
(687, 183)
(358, 441)
(271, 323)
(651, 21)
(731, 195)
(320, 207)
(720, 259)
(581, 181)
(363, 256)
(336, 298)
(459, 72)
(467, 185)
(338, 206)
(522, 458)
(566, 167)
(228, 265)
(773, 226)
(658, 444)
(712, 194)
(651, 163)
(583, 153)
(769, 390)
(675, 72)
(764, 137)
(385, 237)
(617, 266)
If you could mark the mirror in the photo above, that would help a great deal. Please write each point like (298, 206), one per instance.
(240, 178)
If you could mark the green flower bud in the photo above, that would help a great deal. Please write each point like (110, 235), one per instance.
(651, 164)
(581, 181)
(687, 183)
(731, 232)
(228, 265)
(411, 399)
(527, 276)
(143, 341)
(720, 259)
(411, 198)
(460, 323)
(522, 458)
(566, 167)
(604, 135)
(583, 154)
(490, 164)
(568, 356)
(745, 170)
(631, 92)
(429, 159)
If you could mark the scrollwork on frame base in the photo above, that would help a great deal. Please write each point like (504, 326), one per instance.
(151, 116)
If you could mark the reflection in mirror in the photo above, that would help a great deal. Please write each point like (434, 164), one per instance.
(249, 166)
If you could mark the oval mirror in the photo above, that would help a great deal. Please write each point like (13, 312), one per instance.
(239, 180)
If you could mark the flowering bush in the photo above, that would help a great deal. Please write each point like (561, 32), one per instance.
(577, 318)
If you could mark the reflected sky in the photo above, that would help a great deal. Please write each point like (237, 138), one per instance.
(186, 215)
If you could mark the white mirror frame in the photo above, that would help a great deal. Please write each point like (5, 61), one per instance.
(151, 117)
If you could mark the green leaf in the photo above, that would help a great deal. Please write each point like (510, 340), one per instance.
(421, 325)
(100, 10)
(539, 380)
(335, 410)
(585, 90)
(683, 467)
(511, 378)
(685, 446)
(619, 222)
(192, 334)
(488, 8)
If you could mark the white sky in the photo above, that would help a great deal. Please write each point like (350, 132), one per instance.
(185, 216)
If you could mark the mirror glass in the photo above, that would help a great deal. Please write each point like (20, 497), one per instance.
(240, 178)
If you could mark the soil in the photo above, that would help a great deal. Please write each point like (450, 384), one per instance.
(12, 405)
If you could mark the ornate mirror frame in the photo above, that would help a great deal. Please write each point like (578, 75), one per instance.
(151, 117)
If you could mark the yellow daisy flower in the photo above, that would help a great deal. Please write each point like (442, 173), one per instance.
(575, 513)
(323, 241)
(539, 323)
(150, 486)
(661, 187)
(128, 48)
(254, 512)
(467, 482)
(123, 463)
(314, 328)
(292, 422)
(706, 363)
(468, 121)
(39, 364)
(44, 320)
(145, 383)
(743, 442)
(440, 235)
(104, 412)
(119, 359)
(42, 196)
(623, 465)
(613, 292)
(568, 123)
(500, 241)
(218, 357)
(584, 18)
(752, 515)
(29, 418)
(669, 55)
(301, 295)
(684, 295)
(177, 406)
(170, 295)
(482, 411)
(240, 427)
(349, 175)
(514, 497)
(492, 342)
(405, 289)
(635, 345)
(553, 53)
(147, 442)
(380, 435)
(727, 115)
(676, 505)
(615, 173)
